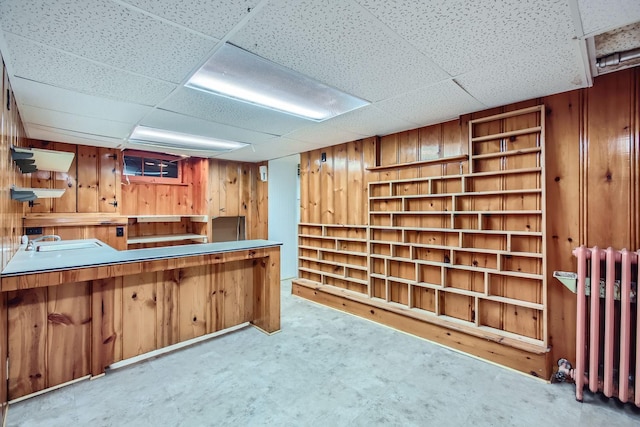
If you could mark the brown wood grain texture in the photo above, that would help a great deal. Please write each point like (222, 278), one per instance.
(304, 186)
(266, 291)
(27, 332)
(354, 199)
(563, 132)
(609, 147)
(327, 185)
(340, 184)
(108, 180)
(88, 179)
(139, 314)
(193, 289)
(315, 187)
(68, 332)
(106, 332)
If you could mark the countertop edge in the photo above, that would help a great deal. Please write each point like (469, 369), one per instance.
(113, 257)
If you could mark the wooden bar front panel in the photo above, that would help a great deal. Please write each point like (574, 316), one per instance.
(70, 330)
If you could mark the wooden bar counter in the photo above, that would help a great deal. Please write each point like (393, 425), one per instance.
(70, 314)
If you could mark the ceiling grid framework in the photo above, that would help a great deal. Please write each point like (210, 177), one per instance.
(89, 71)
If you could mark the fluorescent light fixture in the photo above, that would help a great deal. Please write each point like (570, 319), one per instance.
(169, 139)
(235, 73)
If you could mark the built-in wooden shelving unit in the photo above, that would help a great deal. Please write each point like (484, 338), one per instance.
(334, 255)
(463, 250)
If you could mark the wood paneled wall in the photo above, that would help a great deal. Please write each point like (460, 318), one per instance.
(592, 172)
(11, 211)
(93, 185)
(236, 190)
(11, 133)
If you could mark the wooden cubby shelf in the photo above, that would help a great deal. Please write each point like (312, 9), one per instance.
(334, 255)
(465, 251)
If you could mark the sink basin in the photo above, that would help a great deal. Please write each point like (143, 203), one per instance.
(65, 246)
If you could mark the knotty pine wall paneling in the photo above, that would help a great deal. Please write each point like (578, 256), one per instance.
(11, 211)
(236, 190)
(592, 174)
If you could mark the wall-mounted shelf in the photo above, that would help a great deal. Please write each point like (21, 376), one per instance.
(31, 194)
(170, 218)
(440, 160)
(167, 229)
(165, 238)
(34, 159)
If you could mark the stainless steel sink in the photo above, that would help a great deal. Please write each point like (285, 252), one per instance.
(65, 246)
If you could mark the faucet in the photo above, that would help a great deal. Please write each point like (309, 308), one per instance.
(54, 237)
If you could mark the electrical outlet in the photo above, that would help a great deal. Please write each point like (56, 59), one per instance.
(119, 231)
(30, 231)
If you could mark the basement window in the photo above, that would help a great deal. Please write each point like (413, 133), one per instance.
(150, 168)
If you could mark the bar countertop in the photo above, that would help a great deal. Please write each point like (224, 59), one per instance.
(100, 254)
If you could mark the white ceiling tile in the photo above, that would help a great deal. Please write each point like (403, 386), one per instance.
(603, 15)
(433, 104)
(34, 94)
(279, 147)
(110, 33)
(371, 120)
(340, 44)
(67, 121)
(214, 18)
(180, 123)
(45, 133)
(227, 111)
(324, 134)
(502, 84)
(32, 61)
(460, 35)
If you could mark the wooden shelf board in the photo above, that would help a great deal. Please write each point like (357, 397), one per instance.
(344, 239)
(335, 276)
(335, 263)
(450, 159)
(72, 219)
(517, 132)
(457, 212)
(313, 224)
(456, 230)
(508, 114)
(464, 175)
(512, 301)
(507, 153)
(169, 218)
(459, 194)
(160, 238)
(334, 251)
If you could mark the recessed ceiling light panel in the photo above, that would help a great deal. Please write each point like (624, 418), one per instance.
(169, 139)
(238, 74)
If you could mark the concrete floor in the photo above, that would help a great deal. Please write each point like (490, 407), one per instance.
(324, 368)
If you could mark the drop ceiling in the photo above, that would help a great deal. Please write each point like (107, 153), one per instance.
(89, 71)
